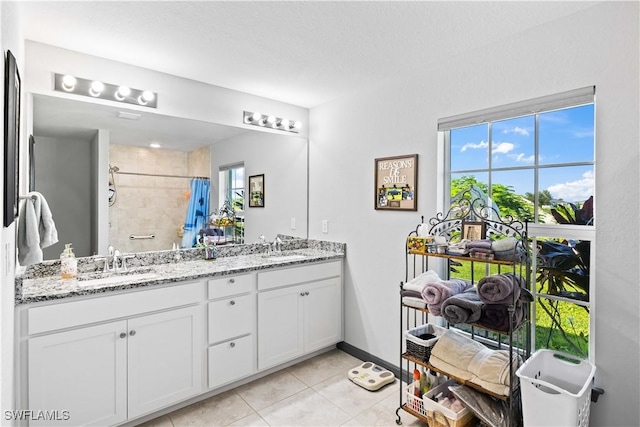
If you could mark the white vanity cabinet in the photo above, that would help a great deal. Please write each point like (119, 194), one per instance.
(299, 311)
(142, 351)
(231, 322)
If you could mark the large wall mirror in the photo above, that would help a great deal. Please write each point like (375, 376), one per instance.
(106, 185)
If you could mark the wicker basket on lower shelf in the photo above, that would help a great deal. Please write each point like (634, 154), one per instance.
(421, 348)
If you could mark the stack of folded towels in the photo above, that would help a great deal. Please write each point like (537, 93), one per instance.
(471, 361)
(412, 290)
(507, 249)
(480, 249)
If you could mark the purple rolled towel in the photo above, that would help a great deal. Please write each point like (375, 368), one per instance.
(437, 292)
(500, 288)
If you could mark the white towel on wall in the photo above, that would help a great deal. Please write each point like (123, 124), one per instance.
(36, 229)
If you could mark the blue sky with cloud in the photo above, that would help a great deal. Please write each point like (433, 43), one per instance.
(565, 137)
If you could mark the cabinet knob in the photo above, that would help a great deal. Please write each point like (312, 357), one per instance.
(306, 293)
(123, 334)
(232, 280)
(301, 294)
(232, 302)
(132, 333)
(232, 344)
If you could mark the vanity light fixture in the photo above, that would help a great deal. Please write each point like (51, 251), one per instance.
(68, 83)
(122, 93)
(271, 122)
(98, 89)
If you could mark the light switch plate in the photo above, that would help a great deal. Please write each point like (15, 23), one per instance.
(293, 223)
(325, 226)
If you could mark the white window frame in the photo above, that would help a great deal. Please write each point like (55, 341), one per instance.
(558, 101)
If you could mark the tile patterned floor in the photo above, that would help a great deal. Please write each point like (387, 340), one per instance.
(315, 392)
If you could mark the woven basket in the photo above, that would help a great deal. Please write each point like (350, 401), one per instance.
(419, 348)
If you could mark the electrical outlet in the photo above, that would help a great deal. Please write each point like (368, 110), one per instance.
(325, 226)
(293, 223)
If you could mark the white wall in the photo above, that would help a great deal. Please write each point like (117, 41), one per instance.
(599, 46)
(178, 97)
(283, 161)
(10, 39)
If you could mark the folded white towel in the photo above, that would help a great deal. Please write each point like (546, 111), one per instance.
(36, 229)
(418, 283)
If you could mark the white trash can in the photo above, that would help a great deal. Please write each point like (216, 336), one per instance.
(556, 389)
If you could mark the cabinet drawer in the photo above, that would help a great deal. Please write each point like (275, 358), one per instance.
(230, 361)
(292, 276)
(104, 307)
(230, 285)
(231, 318)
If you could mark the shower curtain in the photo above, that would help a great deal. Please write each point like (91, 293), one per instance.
(197, 211)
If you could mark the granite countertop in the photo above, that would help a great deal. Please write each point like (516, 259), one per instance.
(41, 285)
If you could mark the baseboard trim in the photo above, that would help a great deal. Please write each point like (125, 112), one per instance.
(368, 357)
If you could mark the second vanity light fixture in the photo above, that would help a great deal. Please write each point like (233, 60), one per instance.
(272, 122)
(97, 89)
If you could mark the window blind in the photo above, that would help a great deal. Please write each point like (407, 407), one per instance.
(572, 98)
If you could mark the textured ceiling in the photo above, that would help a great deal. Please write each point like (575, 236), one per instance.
(304, 53)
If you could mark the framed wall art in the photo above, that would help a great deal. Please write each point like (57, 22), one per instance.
(396, 183)
(473, 230)
(11, 138)
(256, 191)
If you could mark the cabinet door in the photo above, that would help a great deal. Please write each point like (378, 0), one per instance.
(322, 314)
(165, 358)
(279, 326)
(83, 372)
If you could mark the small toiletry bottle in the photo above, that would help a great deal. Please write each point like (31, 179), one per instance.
(68, 263)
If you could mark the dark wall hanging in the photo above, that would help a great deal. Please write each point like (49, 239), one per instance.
(11, 138)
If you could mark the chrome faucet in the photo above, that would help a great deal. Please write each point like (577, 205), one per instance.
(277, 244)
(264, 243)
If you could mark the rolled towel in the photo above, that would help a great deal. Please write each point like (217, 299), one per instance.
(506, 244)
(496, 316)
(417, 283)
(437, 292)
(462, 308)
(500, 288)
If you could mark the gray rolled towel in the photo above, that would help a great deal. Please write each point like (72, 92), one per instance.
(462, 308)
(500, 288)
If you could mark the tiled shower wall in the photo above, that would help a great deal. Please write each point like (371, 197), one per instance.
(148, 205)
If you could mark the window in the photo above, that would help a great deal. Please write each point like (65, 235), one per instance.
(536, 161)
(231, 192)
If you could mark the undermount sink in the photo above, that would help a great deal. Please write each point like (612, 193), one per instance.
(115, 277)
(283, 256)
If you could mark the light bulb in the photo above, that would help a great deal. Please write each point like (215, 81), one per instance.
(284, 123)
(146, 97)
(271, 120)
(68, 83)
(122, 93)
(296, 125)
(96, 88)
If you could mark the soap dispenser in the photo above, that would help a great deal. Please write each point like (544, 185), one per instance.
(68, 263)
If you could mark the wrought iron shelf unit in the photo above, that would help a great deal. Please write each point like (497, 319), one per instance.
(469, 206)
